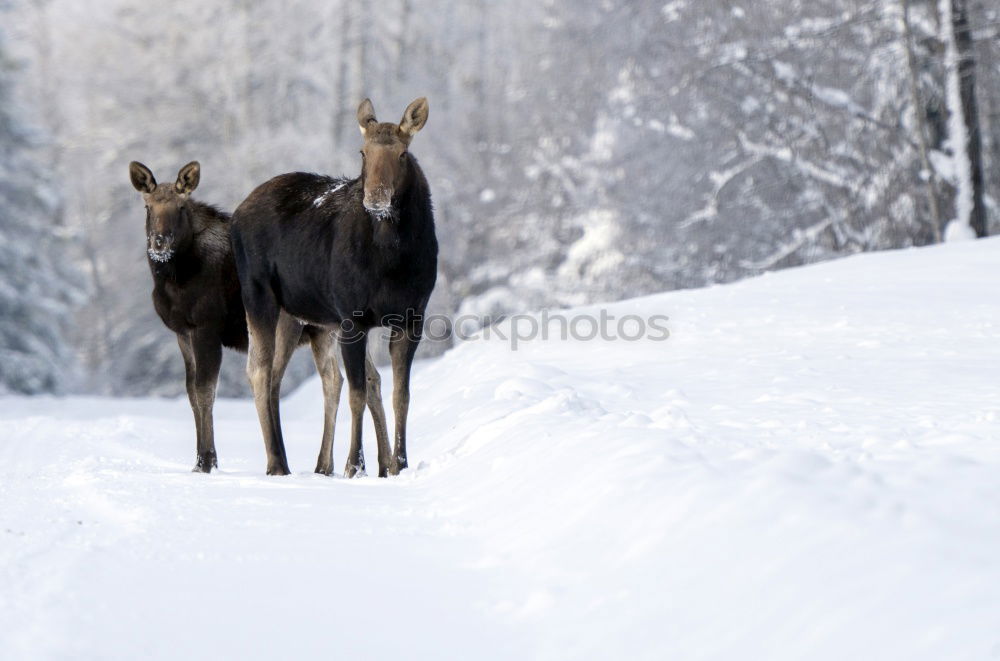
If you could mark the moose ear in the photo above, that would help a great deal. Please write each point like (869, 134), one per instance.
(366, 115)
(141, 177)
(188, 178)
(414, 117)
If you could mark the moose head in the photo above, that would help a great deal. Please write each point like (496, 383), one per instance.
(169, 218)
(386, 165)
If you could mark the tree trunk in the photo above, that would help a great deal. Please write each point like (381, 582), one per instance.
(362, 89)
(970, 111)
(343, 112)
(482, 126)
(402, 44)
(918, 112)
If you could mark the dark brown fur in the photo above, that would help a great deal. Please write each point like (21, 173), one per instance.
(196, 292)
(346, 254)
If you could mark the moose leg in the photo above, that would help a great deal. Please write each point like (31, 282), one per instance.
(286, 338)
(207, 359)
(354, 352)
(373, 383)
(184, 342)
(402, 347)
(325, 354)
(260, 361)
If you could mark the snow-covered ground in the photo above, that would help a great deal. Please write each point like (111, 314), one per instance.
(809, 468)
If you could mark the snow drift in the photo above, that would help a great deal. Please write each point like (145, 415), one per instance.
(807, 468)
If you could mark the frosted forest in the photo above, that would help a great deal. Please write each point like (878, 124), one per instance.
(580, 152)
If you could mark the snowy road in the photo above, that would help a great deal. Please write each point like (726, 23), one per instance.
(809, 468)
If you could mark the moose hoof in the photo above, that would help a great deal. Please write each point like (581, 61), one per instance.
(324, 469)
(278, 470)
(397, 465)
(205, 464)
(352, 470)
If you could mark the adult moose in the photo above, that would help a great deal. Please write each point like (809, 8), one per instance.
(350, 254)
(196, 293)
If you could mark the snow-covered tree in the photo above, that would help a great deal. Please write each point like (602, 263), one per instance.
(37, 283)
(576, 151)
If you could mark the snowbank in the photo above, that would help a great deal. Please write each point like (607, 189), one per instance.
(807, 468)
